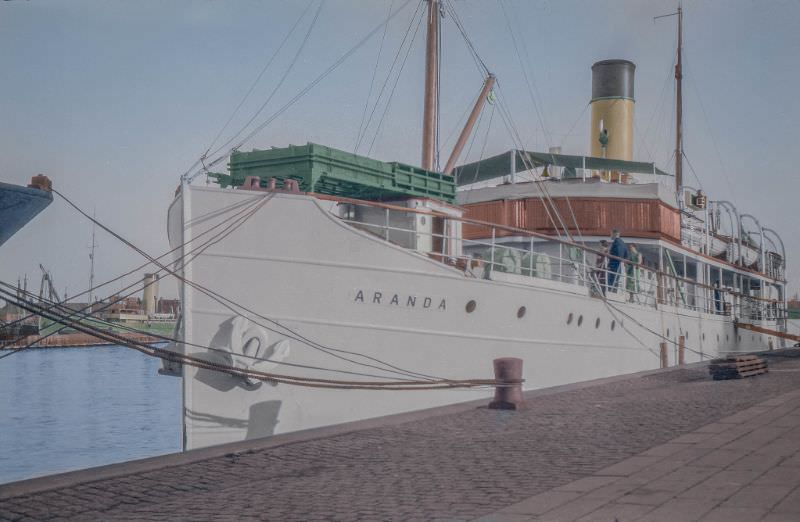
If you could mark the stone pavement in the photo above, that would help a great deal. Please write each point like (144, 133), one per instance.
(744, 467)
(666, 445)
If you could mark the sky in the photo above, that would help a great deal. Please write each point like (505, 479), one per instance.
(115, 100)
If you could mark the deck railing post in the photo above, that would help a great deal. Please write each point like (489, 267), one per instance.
(583, 168)
(491, 263)
(444, 236)
(585, 268)
(530, 259)
(386, 230)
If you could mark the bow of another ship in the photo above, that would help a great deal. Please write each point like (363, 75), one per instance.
(19, 205)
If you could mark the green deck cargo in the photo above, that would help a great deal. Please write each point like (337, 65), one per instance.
(325, 170)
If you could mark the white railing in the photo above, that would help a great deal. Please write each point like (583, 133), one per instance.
(532, 256)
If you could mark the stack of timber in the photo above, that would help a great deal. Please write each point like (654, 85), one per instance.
(737, 367)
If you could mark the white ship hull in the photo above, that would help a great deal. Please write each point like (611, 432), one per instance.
(299, 265)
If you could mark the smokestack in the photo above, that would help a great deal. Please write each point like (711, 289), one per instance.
(150, 294)
(611, 134)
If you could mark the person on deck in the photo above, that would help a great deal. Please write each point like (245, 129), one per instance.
(633, 270)
(618, 250)
(600, 265)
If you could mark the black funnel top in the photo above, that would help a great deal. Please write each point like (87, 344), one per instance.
(612, 79)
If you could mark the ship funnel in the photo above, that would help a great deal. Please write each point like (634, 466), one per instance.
(611, 133)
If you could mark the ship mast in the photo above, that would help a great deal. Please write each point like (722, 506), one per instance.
(678, 100)
(679, 106)
(91, 269)
(431, 112)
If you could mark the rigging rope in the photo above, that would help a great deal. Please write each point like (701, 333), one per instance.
(235, 308)
(55, 307)
(138, 286)
(613, 308)
(261, 74)
(572, 127)
(255, 374)
(710, 131)
(545, 198)
(528, 82)
(372, 82)
(484, 71)
(277, 86)
(252, 201)
(469, 150)
(394, 86)
(385, 83)
(303, 91)
(459, 124)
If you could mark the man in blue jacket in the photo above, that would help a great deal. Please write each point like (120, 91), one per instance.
(618, 250)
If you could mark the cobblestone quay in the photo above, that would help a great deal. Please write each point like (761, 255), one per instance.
(665, 445)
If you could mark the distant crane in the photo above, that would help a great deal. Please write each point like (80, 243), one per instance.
(47, 284)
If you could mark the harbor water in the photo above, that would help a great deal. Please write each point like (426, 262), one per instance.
(65, 409)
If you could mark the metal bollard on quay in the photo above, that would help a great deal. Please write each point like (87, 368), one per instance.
(508, 395)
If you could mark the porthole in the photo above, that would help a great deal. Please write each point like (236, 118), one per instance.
(569, 318)
(613, 325)
(597, 323)
(580, 320)
(471, 306)
(521, 312)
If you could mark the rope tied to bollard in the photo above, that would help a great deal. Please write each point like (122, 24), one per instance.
(508, 394)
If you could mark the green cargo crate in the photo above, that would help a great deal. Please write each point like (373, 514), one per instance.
(325, 170)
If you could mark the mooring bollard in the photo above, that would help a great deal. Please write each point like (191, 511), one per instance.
(508, 394)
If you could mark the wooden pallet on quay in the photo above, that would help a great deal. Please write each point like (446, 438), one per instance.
(737, 367)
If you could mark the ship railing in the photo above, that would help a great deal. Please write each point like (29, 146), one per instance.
(521, 253)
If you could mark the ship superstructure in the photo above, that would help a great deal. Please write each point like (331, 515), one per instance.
(341, 267)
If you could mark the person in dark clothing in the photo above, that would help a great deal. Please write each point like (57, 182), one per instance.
(601, 265)
(618, 249)
(717, 298)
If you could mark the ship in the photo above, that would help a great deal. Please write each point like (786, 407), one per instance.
(344, 269)
(19, 205)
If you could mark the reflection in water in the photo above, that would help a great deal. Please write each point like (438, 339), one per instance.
(72, 408)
